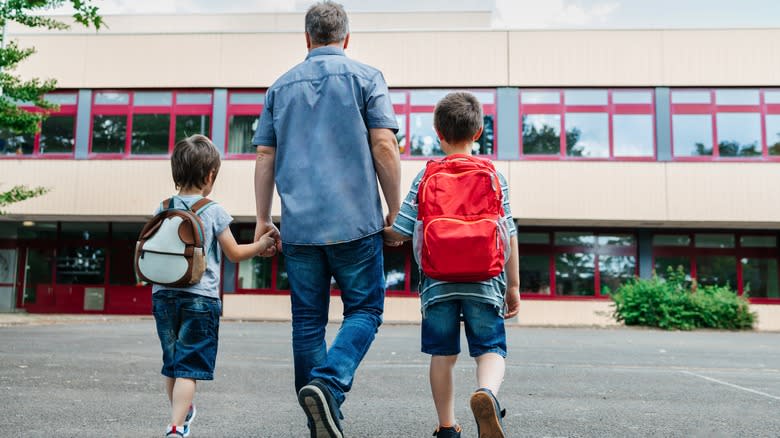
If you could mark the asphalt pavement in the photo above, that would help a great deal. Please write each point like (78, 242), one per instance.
(100, 378)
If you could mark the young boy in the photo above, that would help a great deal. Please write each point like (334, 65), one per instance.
(483, 305)
(188, 318)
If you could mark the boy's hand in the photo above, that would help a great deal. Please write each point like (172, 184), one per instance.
(391, 237)
(268, 241)
(512, 301)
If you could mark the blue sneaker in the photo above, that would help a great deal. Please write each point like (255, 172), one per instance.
(488, 414)
(188, 419)
(176, 432)
(321, 409)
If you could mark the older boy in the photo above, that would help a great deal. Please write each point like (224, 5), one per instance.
(482, 305)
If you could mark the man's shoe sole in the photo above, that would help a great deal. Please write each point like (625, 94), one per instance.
(486, 416)
(314, 403)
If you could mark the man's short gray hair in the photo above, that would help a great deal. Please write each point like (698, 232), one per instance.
(326, 23)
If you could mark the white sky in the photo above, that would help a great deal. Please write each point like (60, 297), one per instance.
(507, 13)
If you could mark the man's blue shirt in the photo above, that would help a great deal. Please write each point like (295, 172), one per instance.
(317, 116)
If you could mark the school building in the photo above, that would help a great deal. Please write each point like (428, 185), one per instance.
(627, 151)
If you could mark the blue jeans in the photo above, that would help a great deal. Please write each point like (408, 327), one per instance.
(358, 268)
(188, 328)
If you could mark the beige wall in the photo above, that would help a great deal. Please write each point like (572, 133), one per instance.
(409, 58)
(737, 195)
(407, 310)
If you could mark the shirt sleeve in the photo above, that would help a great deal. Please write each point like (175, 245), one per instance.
(221, 220)
(407, 217)
(507, 209)
(265, 135)
(379, 106)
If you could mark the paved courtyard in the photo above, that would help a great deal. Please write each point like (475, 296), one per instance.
(100, 377)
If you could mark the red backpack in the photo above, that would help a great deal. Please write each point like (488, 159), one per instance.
(461, 234)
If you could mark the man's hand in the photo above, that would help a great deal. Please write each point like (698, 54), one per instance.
(263, 227)
(393, 238)
(512, 301)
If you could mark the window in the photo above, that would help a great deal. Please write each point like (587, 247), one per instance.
(147, 123)
(414, 112)
(576, 263)
(57, 134)
(244, 108)
(732, 123)
(746, 262)
(596, 123)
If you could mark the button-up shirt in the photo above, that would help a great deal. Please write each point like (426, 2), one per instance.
(317, 116)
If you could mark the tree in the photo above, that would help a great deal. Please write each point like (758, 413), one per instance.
(14, 89)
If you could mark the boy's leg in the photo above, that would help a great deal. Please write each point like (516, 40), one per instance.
(169, 382)
(183, 393)
(490, 371)
(440, 337)
(442, 388)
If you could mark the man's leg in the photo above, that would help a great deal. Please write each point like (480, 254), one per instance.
(358, 267)
(309, 276)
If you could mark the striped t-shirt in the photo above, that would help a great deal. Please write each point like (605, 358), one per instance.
(432, 291)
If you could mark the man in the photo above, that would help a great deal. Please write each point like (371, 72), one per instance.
(326, 134)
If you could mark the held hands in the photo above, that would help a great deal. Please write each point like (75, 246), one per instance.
(392, 238)
(268, 234)
(512, 302)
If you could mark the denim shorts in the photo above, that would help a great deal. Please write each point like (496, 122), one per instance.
(188, 327)
(484, 328)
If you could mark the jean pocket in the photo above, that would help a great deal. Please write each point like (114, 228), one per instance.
(196, 326)
(359, 250)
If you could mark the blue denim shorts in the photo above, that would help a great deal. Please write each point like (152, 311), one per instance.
(484, 326)
(188, 327)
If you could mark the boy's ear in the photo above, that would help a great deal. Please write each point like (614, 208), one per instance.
(478, 134)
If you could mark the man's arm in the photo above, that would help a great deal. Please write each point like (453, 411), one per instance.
(387, 162)
(264, 192)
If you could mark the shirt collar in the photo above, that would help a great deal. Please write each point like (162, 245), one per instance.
(327, 50)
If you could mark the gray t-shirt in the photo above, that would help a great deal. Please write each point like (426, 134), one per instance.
(215, 219)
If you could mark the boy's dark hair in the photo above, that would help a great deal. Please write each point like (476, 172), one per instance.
(192, 160)
(326, 22)
(458, 116)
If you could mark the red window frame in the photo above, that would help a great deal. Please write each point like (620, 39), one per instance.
(551, 250)
(234, 109)
(406, 110)
(738, 252)
(611, 109)
(712, 109)
(129, 109)
(64, 110)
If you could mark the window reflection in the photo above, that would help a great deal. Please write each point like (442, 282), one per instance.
(191, 125)
(535, 274)
(633, 135)
(282, 281)
(773, 134)
(15, 144)
(241, 130)
(616, 271)
(574, 239)
(739, 134)
(150, 134)
(541, 134)
(585, 97)
(395, 269)
(58, 135)
(574, 274)
(255, 273)
(400, 136)
(717, 271)
(587, 135)
(692, 135)
(108, 134)
(664, 263)
(424, 141)
(81, 265)
(760, 278)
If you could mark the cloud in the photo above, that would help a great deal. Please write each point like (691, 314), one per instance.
(537, 14)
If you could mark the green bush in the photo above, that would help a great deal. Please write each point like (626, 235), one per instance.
(675, 303)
